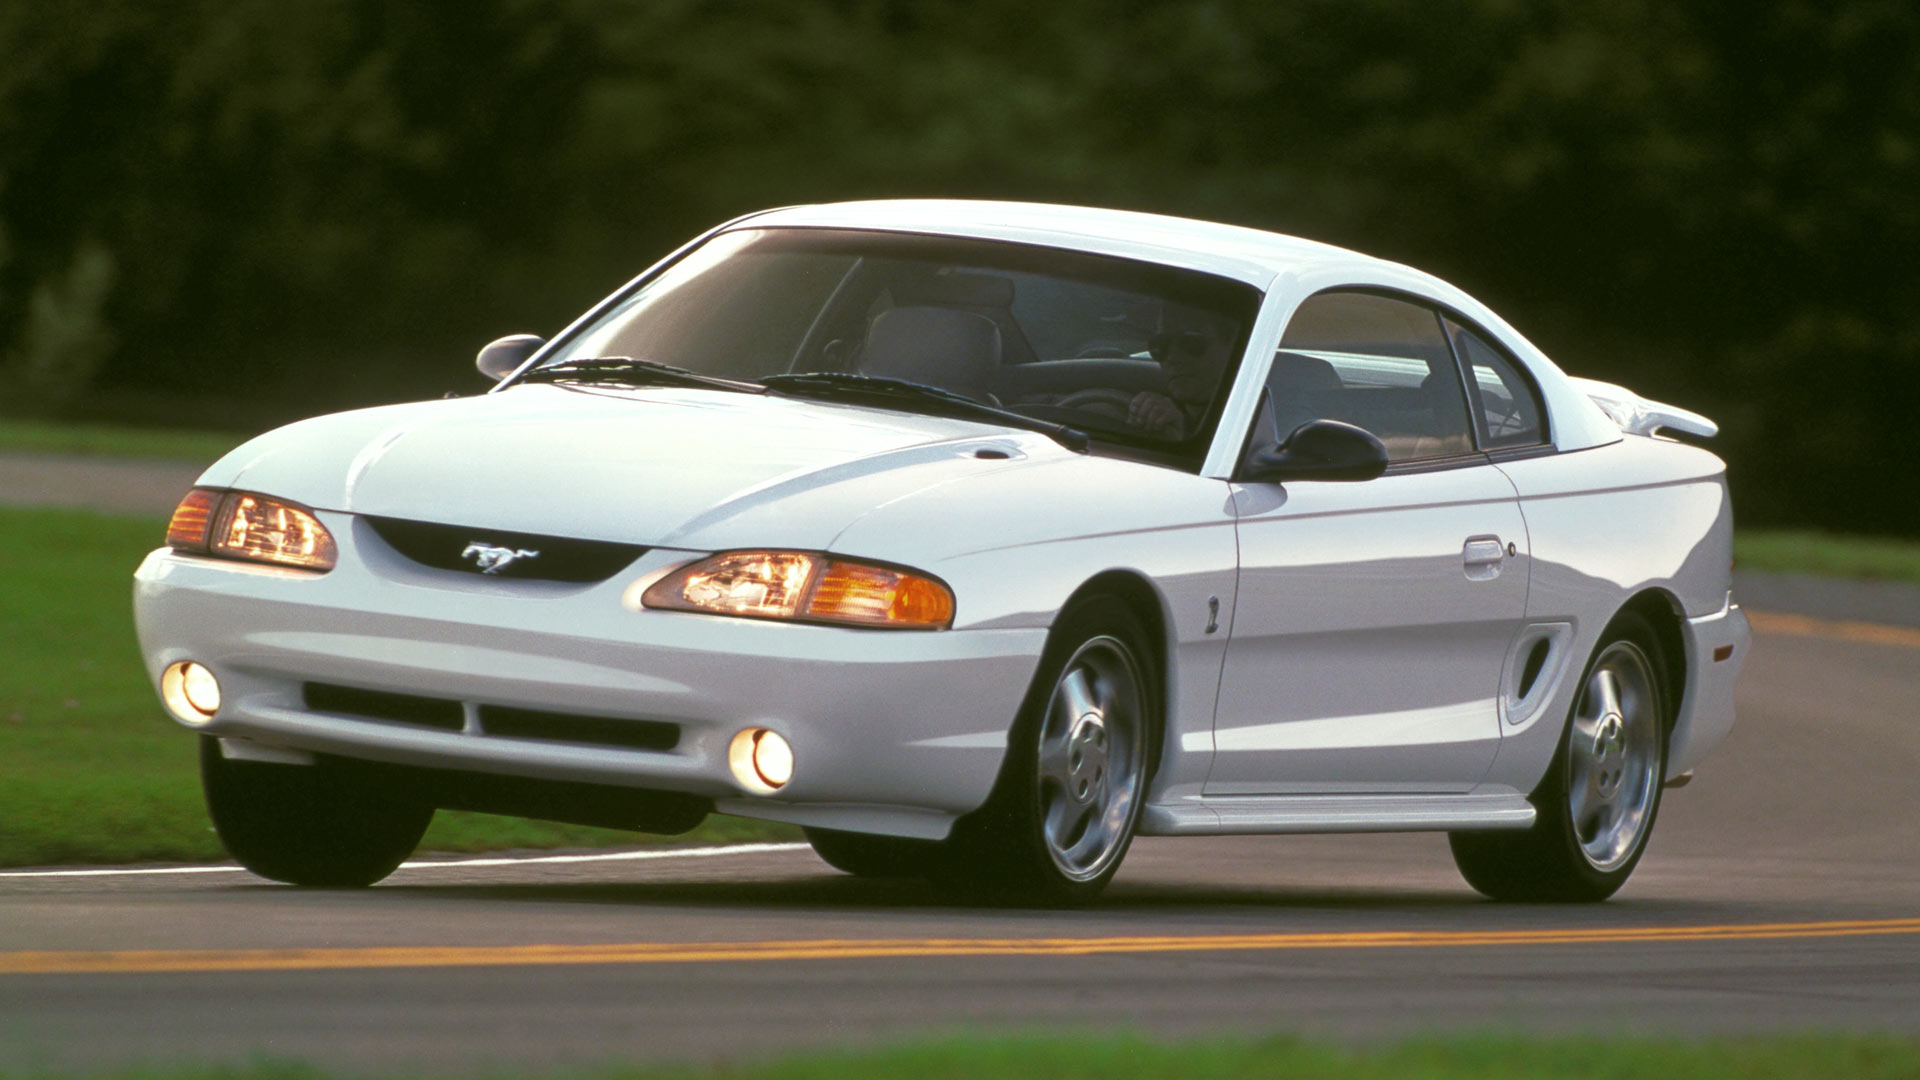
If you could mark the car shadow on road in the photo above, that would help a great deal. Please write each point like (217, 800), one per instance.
(851, 894)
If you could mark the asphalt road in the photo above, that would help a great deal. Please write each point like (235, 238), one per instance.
(1781, 892)
(95, 483)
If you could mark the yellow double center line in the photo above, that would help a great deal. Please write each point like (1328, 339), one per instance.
(709, 952)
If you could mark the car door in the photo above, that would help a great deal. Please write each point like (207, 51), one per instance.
(1374, 617)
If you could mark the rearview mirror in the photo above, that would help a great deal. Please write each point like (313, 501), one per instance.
(503, 357)
(1320, 450)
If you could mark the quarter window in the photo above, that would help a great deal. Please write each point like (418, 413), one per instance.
(1504, 400)
(1374, 361)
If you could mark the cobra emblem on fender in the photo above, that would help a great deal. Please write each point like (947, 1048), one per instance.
(492, 558)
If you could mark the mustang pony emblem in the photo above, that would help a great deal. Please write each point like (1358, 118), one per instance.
(492, 558)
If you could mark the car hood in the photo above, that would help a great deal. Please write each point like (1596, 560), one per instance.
(664, 467)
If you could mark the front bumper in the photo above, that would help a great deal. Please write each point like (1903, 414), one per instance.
(1716, 646)
(894, 732)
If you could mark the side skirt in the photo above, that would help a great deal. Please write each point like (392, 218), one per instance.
(1230, 815)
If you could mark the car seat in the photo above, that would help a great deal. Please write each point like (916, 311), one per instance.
(954, 350)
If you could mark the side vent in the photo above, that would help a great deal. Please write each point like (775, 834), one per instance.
(1533, 670)
(1536, 660)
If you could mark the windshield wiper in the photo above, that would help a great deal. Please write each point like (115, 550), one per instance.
(626, 371)
(879, 389)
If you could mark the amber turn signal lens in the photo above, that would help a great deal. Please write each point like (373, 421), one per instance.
(193, 520)
(878, 596)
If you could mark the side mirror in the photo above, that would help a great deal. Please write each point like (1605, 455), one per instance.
(1320, 450)
(503, 357)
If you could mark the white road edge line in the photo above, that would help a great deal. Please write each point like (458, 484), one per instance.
(440, 864)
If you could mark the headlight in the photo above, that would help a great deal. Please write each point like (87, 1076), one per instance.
(257, 528)
(805, 587)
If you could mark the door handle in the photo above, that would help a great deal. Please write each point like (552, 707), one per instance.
(1483, 556)
(1483, 551)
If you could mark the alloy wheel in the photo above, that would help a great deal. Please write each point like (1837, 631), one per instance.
(1091, 760)
(1613, 757)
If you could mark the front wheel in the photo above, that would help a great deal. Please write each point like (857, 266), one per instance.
(1063, 813)
(1597, 803)
(325, 824)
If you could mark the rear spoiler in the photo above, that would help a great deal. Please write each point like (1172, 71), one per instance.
(1638, 416)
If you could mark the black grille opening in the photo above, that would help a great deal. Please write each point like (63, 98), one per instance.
(382, 705)
(525, 556)
(514, 723)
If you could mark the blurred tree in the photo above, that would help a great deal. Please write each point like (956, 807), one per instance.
(233, 213)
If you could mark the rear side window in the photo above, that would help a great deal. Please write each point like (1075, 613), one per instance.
(1505, 403)
(1377, 362)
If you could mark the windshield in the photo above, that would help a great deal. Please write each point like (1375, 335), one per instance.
(1136, 354)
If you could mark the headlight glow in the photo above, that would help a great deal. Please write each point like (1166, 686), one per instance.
(253, 527)
(805, 587)
(190, 692)
(761, 760)
(267, 530)
(200, 688)
(763, 583)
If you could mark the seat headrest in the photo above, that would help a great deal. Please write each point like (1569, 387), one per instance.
(954, 350)
(1300, 372)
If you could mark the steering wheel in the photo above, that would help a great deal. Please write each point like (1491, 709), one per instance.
(1099, 399)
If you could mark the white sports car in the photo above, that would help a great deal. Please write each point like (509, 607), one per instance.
(977, 539)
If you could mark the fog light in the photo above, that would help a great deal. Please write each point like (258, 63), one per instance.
(761, 760)
(190, 692)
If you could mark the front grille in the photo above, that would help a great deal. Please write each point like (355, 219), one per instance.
(530, 556)
(382, 705)
(564, 727)
(502, 721)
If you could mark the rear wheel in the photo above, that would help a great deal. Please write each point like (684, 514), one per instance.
(325, 824)
(1597, 803)
(1063, 813)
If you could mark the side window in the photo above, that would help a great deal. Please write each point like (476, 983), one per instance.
(1504, 400)
(1373, 361)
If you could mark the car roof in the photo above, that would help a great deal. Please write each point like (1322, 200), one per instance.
(1272, 262)
(1251, 255)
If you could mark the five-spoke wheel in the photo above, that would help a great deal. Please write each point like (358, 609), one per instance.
(1613, 756)
(1069, 795)
(1091, 769)
(1597, 803)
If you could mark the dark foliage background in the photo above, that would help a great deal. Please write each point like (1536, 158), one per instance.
(232, 213)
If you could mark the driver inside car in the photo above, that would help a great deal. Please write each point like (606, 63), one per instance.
(1193, 366)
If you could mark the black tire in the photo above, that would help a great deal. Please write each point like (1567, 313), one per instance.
(321, 825)
(1553, 862)
(868, 856)
(1003, 853)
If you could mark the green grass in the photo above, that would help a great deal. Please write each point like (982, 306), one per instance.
(91, 771)
(99, 440)
(1804, 551)
(1811, 1057)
